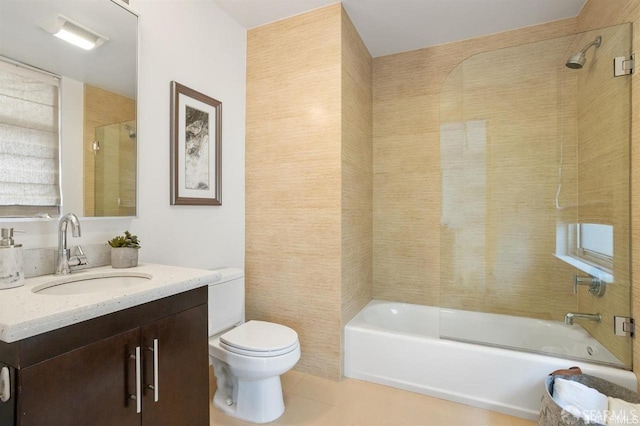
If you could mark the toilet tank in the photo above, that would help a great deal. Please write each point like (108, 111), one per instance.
(226, 301)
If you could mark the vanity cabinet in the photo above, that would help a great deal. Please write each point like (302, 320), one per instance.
(82, 387)
(88, 373)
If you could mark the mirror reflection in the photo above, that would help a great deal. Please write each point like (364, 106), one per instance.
(96, 102)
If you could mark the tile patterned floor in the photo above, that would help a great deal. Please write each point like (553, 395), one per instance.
(310, 400)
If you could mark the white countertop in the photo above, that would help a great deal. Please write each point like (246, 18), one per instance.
(24, 313)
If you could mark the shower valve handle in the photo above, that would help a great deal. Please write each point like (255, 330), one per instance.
(596, 285)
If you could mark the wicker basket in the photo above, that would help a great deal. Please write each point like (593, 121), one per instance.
(551, 414)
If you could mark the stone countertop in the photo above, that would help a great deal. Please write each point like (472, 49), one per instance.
(24, 313)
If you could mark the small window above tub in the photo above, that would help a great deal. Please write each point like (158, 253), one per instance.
(588, 247)
(594, 244)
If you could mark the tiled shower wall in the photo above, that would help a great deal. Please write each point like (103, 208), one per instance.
(603, 175)
(603, 13)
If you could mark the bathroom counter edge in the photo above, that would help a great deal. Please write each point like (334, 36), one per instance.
(24, 314)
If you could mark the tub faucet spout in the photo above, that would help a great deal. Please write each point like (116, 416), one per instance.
(568, 319)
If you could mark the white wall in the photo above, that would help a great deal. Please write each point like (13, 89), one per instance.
(72, 111)
(194, 43)
(199, 46)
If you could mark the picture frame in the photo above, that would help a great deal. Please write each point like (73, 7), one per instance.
(196, 147)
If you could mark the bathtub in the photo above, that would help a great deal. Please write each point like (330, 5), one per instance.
(398, 345)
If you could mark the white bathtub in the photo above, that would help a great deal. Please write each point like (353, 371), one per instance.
(548, 337)
(397, 345)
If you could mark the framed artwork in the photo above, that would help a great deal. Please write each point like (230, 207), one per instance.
(196, 167)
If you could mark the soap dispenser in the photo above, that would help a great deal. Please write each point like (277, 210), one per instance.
(11, 261)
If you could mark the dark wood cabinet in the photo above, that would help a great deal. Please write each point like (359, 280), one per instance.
(87, 373)
(87, 386)
(182, 386)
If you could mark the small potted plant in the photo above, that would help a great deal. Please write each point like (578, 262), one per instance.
(124, 250)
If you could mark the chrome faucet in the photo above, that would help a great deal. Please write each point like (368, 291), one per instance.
(64, 261)
(568, 319)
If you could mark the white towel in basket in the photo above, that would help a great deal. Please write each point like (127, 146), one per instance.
(580, 400)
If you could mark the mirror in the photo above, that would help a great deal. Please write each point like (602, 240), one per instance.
(98, 130)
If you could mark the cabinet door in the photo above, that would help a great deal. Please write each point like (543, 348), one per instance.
(87, 386)
(183, 370)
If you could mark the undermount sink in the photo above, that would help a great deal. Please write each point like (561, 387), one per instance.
(91, 283)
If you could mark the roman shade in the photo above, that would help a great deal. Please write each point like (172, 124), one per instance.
(29, 138)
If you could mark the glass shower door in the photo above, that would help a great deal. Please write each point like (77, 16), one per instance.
(115, 169)
(535, 190)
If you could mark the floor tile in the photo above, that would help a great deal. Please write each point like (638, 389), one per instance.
(290, 379)
(314, 401)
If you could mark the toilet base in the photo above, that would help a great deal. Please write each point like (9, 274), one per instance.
(256, 401)
(248, 387)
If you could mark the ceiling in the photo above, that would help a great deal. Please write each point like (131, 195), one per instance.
(111, 66)
(392, 26)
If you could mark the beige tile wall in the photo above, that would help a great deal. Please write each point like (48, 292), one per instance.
(101, 107)
(407, 104)
(598, 14)
(357, 173)
(603, 173)
(308, 180)
(406, 173)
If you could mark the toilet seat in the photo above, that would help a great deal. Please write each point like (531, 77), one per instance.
(260, 339)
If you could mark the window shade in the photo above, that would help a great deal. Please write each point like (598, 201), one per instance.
(29, 141)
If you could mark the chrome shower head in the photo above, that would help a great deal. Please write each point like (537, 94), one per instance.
(577, 61)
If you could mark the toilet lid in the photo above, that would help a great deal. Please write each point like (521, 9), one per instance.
(260, 338)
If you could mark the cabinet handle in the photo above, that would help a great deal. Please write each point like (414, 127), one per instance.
(156, 355)
(137, 396)
(5, 385)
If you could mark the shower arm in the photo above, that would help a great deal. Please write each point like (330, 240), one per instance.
(595, 43)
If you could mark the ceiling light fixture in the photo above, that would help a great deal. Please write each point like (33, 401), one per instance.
(77, 34)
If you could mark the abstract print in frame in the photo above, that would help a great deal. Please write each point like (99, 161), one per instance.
(195, 147)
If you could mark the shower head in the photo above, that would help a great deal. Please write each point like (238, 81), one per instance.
(577, 61)
(131, 130)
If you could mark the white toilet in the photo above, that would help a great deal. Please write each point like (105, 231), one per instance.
(247, 358)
